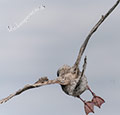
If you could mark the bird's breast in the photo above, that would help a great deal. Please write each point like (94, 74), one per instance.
(76, 87)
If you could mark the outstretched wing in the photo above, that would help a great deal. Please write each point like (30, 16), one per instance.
(41, 82)
(82, 49)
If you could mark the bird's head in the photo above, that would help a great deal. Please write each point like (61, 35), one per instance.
(66, 69)
(63, 70)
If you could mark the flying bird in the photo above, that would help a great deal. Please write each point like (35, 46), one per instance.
(72, 80)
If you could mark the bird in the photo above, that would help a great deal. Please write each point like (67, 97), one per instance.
(72, 80)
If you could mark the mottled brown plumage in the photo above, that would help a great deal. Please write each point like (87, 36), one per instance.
(77, 85)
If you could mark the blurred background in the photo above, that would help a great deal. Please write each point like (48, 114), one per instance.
(50, 38)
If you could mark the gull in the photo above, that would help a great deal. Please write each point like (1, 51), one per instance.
(72, 80)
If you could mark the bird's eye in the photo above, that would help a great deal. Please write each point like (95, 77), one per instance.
(58, 73)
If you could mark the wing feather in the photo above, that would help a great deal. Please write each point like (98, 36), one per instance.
(41, 82)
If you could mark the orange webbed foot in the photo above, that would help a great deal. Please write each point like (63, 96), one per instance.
(89, 107)
(98, 101)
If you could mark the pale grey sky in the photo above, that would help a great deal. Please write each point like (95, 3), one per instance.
(51, 38)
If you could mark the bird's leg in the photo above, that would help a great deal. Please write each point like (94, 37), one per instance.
(98, 101)
(88, 106)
